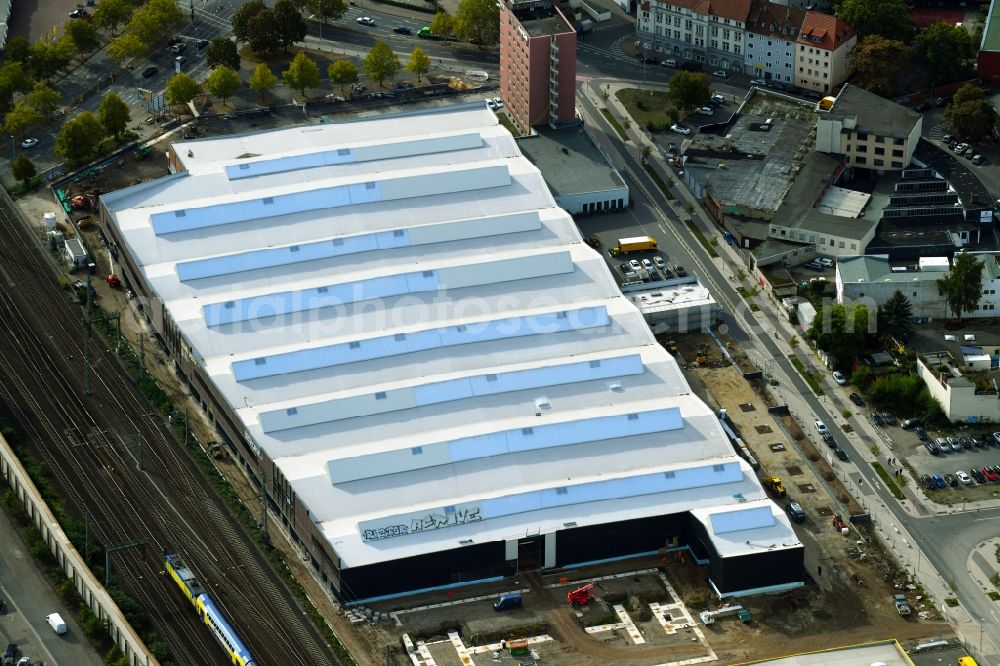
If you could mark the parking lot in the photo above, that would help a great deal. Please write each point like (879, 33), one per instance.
(965, 451)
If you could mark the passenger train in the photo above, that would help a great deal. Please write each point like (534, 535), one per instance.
(209, 614)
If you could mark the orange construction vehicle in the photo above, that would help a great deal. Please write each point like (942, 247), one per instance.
(581, 596)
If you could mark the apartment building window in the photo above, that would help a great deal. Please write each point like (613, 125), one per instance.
(677, 34)
(699, 30)
(879, 138)
(659, 33)
(862, 136)
(736, 49)
(725, 46)
(897, 142)
(659, 17)
(860, 160)
(645, 16)
(879, 151)
(699, 42)
(715, 43)
(897, 153)
(861, 148)
(687, 38)
(825, 75)
(736, 36)
(725, 34)
(715, 31)
(897, 165)
(677, 21)
(879, 162)
(687, 24)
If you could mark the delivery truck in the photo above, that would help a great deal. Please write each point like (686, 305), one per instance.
(636, 244)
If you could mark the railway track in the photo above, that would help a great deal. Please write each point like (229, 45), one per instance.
(83, 441)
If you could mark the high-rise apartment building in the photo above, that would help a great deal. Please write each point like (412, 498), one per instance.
(537, 63)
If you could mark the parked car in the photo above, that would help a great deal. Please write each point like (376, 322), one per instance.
(79, 14)
(717, 100)
(498, 102)
(830, 441)
(680, 271)
(963, 478)
(29, 143)
(996, 439)
(979, 441)
(907, 424)
(365, 20)
(877, 419)
(402, 30)
(946, 138)
(951, 480)
(977, 159)
(795, 511)
(857, 399)
(923, 106)
(679, 129)
(820, 427)
(839, 377)
(825, 262)
(647, 264)
(660, 263)
(942, 444)
(932, 448)
(706, 111)
(841, 453)
(758, 82)
(927, 481)
(149, 72)
(669, 62)
(960, 148)
(956, 446)
(722, 74)
(491, 104)
(941, 101)
(939, 481)
(635, 265)
(888, 418)
(649, 60)
(977, 475)
(203, 44)
(965, 442)
(922, 434)
(991, 476)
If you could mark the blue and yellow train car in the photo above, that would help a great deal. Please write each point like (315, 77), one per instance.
(226, 636)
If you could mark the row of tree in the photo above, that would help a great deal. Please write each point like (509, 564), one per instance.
(146, 25)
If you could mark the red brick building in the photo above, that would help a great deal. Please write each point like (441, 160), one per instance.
(537, 64)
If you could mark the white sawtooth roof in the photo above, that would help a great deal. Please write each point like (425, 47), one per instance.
(405, 322)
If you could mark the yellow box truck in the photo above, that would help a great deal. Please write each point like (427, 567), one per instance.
(636, 244)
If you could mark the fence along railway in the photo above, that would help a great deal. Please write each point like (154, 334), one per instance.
(87, 445)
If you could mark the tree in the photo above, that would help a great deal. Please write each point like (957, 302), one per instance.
(223, 83)
(302, 73)
(181, 89)
(327, 10)
(23, 169)
(688, 90)
(109, 14)
(877, 62)
(841, 330)
(114, 114)
(83, 34)
(887, 18)
(47, 58)
(43, 98)
(263, 80)
(223, 51)
(153, 19)
(380, 63)
(478, 20)
(18, 49)
(419, 64)
(963, 284)
(255, 24)
(970, 113)
(126, 46)
(21, 116)
(79, 139)
(13, 79)
(442, 24)
(288, 23)
(946, 50)
(895, 317)
(342, 72)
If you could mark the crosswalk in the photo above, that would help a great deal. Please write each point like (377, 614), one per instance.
(938, 132)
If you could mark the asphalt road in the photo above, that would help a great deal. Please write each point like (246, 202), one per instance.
(945, 541)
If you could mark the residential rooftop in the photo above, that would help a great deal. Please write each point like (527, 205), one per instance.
(824, 31)
(543, 22)
(569, 161)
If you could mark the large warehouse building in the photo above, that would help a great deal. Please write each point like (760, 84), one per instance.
(403, 338)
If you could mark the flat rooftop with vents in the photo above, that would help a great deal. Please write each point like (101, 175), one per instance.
(402, 337)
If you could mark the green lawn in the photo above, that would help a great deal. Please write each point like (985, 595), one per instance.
(888, 481)
(705, 244)
(808, 376)
(646, 106)
(610, 117)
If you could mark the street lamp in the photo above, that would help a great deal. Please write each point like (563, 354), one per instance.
(13, 150)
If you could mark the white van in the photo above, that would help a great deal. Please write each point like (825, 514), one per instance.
(57, 624)
(669, 62)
